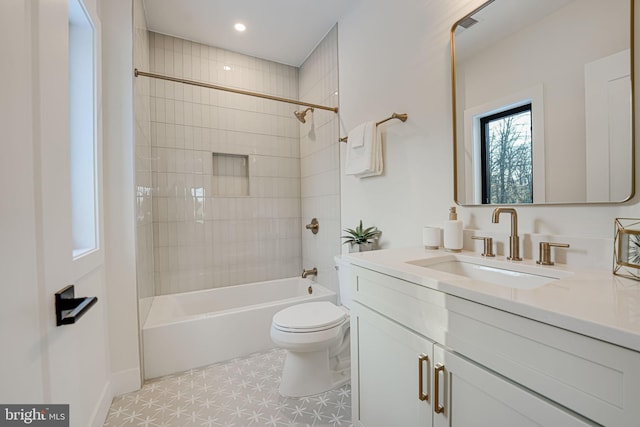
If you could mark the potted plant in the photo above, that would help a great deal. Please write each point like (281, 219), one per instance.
(361, 239)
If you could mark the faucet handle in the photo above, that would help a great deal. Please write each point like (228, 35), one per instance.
(488, 245)
(545, 252)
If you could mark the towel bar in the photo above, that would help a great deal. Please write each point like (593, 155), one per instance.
(402, 117)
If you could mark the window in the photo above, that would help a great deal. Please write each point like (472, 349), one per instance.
(82, 131)
(507, 157)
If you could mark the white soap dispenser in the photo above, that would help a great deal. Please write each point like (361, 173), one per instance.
(453, 232)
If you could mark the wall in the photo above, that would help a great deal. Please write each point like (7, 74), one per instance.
(204, 238)
(406, 68)
(119, 201)
(319, 160)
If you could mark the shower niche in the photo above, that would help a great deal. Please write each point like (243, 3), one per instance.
(230, 174)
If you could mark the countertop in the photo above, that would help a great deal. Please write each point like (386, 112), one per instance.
(591, 302)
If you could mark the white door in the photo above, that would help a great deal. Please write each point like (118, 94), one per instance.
(41, 363)
(467, 395)
(390, 390)
(608, 128)
(21, 360)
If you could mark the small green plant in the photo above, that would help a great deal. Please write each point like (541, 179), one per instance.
(360, 235)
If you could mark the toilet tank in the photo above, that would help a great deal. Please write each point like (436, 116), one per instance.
(343, 268)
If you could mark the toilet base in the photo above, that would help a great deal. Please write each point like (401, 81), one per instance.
(309, 373)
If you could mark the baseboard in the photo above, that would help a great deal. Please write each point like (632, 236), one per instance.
(125, 381)
(121, 382)
(101, 409)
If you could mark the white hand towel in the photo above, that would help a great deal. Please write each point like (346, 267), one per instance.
(376, 157)
(364, 151)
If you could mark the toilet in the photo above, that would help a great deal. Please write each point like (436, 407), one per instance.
(315, 336)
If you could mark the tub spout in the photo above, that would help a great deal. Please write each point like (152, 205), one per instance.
(313, 271)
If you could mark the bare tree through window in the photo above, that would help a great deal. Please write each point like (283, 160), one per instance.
(507, 157)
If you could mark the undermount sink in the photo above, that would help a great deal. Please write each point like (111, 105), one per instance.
(498, 272)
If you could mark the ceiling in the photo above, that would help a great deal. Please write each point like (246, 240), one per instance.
(284, 31)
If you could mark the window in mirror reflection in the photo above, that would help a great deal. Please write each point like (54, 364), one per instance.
(506, 150)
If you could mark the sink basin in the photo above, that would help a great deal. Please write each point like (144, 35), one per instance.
(500, 273)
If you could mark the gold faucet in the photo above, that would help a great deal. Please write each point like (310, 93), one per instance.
(313, 271)
(514, 240)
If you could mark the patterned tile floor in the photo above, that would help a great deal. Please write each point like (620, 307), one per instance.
(238, 393)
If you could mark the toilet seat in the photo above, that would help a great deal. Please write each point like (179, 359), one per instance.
(309, 317)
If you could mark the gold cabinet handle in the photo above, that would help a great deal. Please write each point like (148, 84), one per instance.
(437, 407)
(421, 361)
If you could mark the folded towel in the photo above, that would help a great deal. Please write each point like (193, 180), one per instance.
(364, 151)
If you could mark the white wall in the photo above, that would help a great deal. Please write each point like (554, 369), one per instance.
(406, 68)
(119, 222)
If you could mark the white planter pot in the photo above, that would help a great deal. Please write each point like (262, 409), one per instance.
(360, 247)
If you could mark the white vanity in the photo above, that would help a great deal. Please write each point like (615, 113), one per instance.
(436, 343)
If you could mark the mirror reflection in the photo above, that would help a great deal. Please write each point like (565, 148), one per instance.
(542, 102)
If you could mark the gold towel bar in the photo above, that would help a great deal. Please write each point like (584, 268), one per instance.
(402, 117)
(138, 73)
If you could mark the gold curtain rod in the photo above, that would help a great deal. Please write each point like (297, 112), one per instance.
(138, 73)
(402, 117)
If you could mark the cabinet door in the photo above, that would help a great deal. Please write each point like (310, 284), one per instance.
(386, 366)
(467, 395)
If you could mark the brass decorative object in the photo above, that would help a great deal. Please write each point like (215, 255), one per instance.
(626, 248)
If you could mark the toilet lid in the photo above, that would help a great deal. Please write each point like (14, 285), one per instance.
(309, 317)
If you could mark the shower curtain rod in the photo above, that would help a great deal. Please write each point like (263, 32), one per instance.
(138, 73)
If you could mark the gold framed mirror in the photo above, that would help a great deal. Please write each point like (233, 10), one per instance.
(542, 96)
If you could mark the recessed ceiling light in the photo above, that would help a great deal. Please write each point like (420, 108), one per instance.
(226, 68)
(240, 27)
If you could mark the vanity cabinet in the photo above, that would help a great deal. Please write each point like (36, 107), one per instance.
(421, 357)
(394, 370)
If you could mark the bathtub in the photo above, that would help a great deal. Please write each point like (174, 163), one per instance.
(193, 329)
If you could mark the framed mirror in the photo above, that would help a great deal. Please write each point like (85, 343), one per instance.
(543, 102)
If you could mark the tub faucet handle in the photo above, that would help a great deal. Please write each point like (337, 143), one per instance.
(313, 226)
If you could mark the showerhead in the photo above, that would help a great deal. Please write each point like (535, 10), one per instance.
(301, 114)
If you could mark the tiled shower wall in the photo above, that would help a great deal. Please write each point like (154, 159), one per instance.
(204, 239)
(319, 159)
(143, 179)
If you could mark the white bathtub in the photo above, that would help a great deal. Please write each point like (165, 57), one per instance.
(193, 329)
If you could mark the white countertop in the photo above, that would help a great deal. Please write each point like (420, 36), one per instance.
(590, 302)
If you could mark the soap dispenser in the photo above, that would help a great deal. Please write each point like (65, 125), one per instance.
(453, 232)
